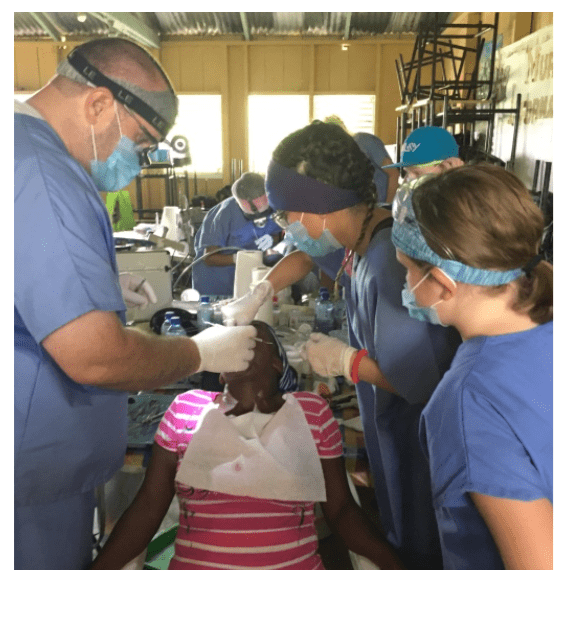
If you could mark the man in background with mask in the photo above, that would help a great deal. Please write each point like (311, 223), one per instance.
(244, 221)
(74, 359)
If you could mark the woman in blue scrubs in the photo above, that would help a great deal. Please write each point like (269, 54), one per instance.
(321, 184)
(469, 240)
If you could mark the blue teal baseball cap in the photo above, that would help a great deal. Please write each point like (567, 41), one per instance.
(426, 145)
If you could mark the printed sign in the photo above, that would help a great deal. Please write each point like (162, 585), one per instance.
(525, 67)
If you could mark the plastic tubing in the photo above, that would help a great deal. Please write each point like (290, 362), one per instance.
(190, 266)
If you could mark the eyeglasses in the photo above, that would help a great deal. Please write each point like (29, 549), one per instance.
(281, 218)
(154, 141)
(144, 152)
(260, 221)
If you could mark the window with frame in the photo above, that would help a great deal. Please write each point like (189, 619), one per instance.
(200, 121)
(270, 119)
(356, 111)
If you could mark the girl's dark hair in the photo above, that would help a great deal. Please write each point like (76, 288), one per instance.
(326, 152)
(483, 216)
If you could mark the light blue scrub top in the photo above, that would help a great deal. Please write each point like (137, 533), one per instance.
(225, 225)
(69, 438)
(488, 429)
(413, 355)
(375, 150)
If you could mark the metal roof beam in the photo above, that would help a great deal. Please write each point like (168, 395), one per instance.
(347, 25)
(244, 22)
(128, 25)
(47, 25)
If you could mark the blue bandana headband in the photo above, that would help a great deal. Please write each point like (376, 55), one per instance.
(407, 237)
(288, 382)
(291, 191)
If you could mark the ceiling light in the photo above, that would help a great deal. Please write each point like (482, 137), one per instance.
(81, 17)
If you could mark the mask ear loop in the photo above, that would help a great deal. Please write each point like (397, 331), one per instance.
(451, 280)
(420, 282)
(118, 118)
(94, 145)
(93, 132)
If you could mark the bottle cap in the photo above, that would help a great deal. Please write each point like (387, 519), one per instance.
(205, 298)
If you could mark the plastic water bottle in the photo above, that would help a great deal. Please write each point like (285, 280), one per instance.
(204, 313)
(339, 312)
(175, 327)
(324, 312)
(166, 322)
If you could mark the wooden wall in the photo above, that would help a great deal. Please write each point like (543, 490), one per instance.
(236, 68)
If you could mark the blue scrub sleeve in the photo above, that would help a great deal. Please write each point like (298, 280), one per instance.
(218, 229)
(203, 236)
(64, 262)
(497, 462)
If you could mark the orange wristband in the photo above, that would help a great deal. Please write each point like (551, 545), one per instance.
(356, 362)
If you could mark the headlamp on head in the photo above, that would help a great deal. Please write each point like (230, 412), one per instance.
(158, 108)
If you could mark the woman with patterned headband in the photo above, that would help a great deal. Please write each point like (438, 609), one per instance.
(321, 185)
(469, 240)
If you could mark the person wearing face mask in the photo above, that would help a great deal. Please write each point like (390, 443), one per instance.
(321, 185)
(469, 240)
(74, 359)
(243, 221)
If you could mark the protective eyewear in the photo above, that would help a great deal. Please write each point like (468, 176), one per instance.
(281, 218)
(260, 221)
(145, 153)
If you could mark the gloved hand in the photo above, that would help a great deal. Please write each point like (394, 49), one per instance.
(265, 242)
(328, 356)
(136, 291)
(243, 309)
(225, 350)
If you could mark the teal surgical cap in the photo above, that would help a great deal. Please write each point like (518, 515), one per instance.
(407, 236)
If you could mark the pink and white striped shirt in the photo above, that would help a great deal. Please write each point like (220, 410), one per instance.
(225, 532)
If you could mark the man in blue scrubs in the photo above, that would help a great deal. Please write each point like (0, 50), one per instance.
(243, 221)
(74, 359)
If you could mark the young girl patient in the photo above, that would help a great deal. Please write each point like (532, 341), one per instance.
(247, 466)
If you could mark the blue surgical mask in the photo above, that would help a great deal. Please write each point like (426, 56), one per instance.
(120, 168)
(422, 313)
(298, 234)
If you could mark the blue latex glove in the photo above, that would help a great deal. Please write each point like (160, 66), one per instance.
(264, 242)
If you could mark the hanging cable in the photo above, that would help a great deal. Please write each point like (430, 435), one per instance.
(190, 266)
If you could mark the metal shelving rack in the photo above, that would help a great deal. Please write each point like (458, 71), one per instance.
(431, 98)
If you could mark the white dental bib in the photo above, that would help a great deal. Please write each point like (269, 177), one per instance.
(255, 455)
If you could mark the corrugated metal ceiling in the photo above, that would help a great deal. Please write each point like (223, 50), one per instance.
(249, 25)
